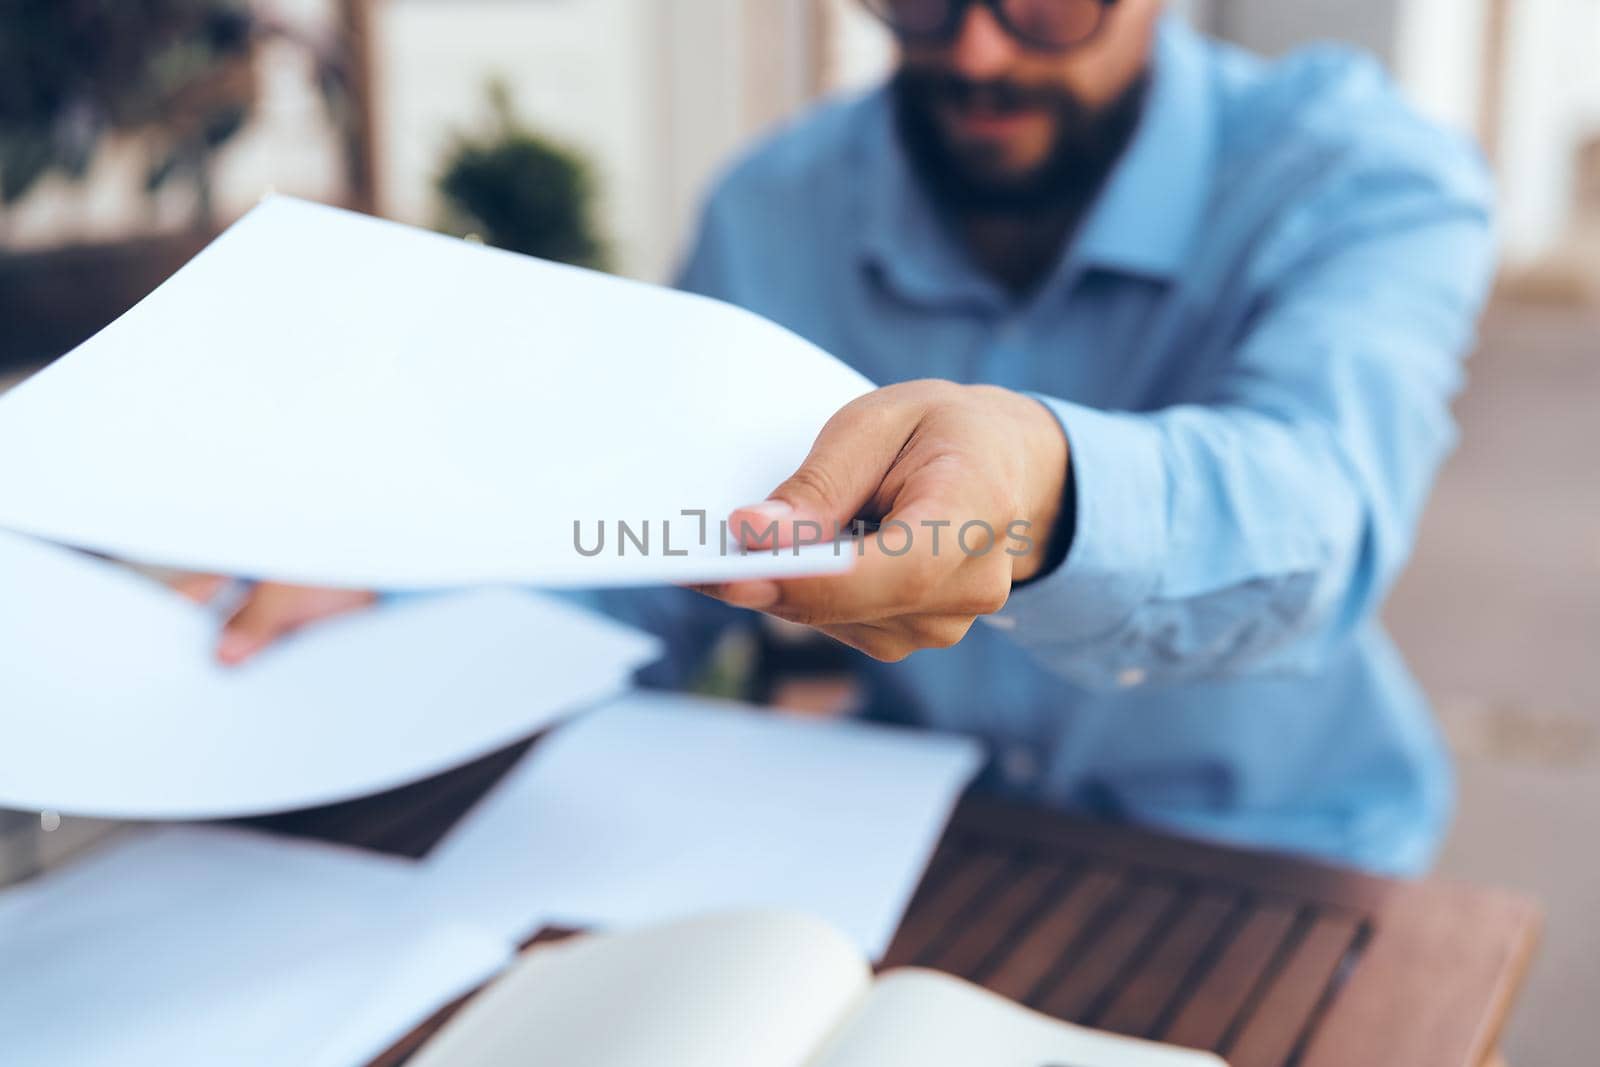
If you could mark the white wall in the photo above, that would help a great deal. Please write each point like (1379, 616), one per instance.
(657, 93)
(1275, 26)
(1439, 57)
(860, 50)
(579, 70)
(1551, 104)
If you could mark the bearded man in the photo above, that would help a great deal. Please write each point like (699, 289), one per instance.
(1195, 320)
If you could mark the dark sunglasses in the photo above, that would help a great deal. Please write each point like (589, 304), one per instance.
(1045, 25)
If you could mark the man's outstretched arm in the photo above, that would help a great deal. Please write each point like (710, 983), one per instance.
(1248, 532)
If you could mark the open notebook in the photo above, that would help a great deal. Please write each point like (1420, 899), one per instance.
(759, 989)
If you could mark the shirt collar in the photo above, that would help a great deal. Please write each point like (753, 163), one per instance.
(902, 235)
(1144, 222)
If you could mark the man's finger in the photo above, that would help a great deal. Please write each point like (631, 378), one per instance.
(273, 611)
(262, 620)
(848, 463)
(756, 596)
(882, 583)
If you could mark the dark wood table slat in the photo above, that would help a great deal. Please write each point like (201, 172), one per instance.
(1140, 1007)
(1220, 996)
(1204, 864)
(974, 948)
(1286, 1011)
(945, 864)
(959, 894)
(407, 821)
(1113, 950)
(1053, 936)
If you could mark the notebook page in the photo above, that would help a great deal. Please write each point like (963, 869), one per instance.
(915, 1018)
(758, 989)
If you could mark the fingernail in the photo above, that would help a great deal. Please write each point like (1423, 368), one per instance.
(235, 647)
(757, 596)
(772, 509)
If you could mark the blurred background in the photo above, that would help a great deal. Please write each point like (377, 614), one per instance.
(132, 131)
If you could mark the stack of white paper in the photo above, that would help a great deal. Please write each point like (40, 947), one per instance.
(330, 399)
(114, 704)
(336, 400)
(658, 807)
(189, 945)
(205, 946)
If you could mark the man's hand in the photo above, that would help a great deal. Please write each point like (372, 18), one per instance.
(270, 611)
(966, 483)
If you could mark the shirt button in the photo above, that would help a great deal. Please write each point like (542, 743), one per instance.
(1019, 766)
(998, 622)
(1131, 678)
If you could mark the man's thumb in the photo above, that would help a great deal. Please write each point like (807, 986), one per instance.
(847, 465)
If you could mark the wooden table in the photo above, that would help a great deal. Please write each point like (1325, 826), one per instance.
(1269, 961)
(1272, 962)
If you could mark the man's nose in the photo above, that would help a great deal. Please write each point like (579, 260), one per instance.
(982, 48)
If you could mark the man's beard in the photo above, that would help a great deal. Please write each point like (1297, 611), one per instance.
(1087, 143)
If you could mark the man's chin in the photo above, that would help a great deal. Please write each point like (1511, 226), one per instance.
(1010, 156)
(992, 173)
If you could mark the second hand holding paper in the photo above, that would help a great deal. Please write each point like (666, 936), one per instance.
(115, 706)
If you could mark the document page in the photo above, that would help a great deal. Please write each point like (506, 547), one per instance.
(915, 1018)
(751, 990)
(114, 705)
(212, 946)
(659, 807)
(326, 398)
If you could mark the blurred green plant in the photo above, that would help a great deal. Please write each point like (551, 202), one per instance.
(180, 74)
(518, 191)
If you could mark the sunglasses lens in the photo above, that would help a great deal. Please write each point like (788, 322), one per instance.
(1051, 24)
(1054, 23)
(917, 18)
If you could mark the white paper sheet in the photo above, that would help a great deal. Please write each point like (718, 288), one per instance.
(210, 946)
(660, 807)
(331, 399)
(112, 703)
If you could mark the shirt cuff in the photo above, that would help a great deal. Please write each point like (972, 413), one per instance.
(1120, 540)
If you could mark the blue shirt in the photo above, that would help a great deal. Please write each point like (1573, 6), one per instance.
(1252, 344)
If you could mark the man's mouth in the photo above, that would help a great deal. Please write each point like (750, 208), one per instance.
(986, 121)
(985, 110)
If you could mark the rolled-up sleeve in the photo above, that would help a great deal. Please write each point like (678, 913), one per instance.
(1252, 532)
